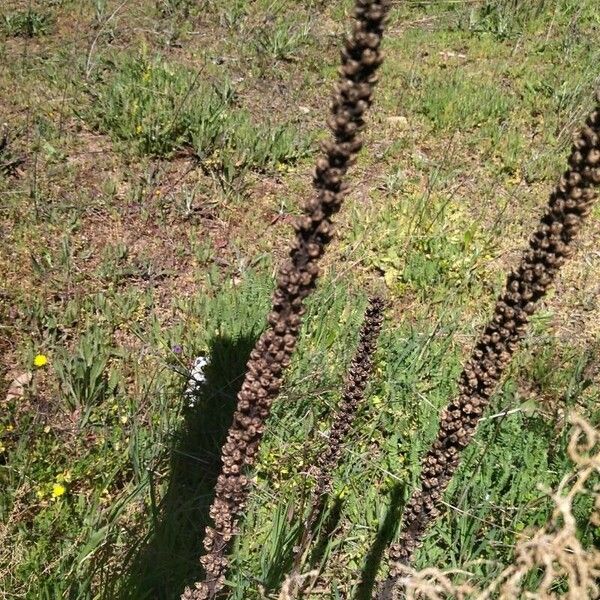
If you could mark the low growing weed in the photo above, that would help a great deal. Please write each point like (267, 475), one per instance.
(232, 13)
(426, 246)
(160, 109)
(455, 101)
(282, 40)
(29, 23)
(84, 374)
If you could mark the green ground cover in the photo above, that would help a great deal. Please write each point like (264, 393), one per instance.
(154, 152)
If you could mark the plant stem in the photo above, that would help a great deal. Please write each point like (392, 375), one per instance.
(296, 279)
(549, 247)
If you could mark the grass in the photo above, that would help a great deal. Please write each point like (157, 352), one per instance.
(26, 23)
(282, 40)
(161, 109)
(154, 155)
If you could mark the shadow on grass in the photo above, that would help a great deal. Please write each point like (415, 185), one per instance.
(168, 560)
(288, 537)
(384, 537)
(326, 532)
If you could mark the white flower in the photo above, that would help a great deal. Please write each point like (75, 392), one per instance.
(196, 379)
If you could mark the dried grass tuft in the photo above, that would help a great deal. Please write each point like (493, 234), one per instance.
(295, 582)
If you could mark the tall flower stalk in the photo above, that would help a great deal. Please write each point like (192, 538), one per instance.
(359, 372)
(356, 380)
(549, 247)
(296, 279)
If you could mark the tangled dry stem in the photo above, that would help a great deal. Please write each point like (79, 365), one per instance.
(554, 552)
(549, 247)
(296, 582)
(296, 279)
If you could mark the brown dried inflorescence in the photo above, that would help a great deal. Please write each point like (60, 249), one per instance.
(357, 378)
(355, 384)
(296, 279)
(554, 553)
(549, 247)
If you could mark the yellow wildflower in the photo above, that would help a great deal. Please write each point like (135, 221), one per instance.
(40, 360)
(139, 129)
(58, 489)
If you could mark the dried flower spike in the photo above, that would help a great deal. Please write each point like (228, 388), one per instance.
(296, 279)
(355, 385)
(356, 380)
(549, 247)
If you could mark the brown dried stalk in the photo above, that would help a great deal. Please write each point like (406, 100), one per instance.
(295, 281)
(549, 247)
(357, 377)
(553, 552)
(359, 372)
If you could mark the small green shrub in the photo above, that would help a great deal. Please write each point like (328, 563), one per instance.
(282, 40)
(158, 107)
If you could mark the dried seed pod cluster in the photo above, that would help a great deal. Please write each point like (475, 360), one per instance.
(548, 249)
(357, 378)
(295, 281)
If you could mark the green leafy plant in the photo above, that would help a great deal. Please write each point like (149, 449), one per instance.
(29, 23)
(281, 40)
(161, 109)
(84, 373)
(233, 12)
(422, 245)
